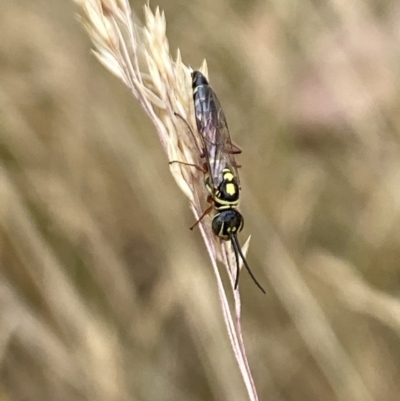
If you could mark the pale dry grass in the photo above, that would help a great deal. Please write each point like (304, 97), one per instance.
(105, 294)
(140, 57)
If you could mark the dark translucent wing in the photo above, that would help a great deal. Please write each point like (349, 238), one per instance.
(224, 149)
(212, 126)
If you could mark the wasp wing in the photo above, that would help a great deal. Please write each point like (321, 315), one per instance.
(213, 128)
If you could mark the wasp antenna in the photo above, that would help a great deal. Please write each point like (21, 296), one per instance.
(238, 250)
(237, 262)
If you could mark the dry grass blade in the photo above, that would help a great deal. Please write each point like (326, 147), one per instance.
(163, 87)
(353, 291)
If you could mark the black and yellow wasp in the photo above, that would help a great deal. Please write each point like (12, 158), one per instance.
(221, 177)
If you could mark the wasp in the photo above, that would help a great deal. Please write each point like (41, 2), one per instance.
(222, 177)
(220, 169)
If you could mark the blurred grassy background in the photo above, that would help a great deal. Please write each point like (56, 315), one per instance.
(104, 292)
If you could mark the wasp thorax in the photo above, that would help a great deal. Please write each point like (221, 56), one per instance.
(228, 189)
(226, 194)
(226, 223)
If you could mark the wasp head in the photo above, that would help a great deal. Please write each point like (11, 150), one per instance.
(226, 223)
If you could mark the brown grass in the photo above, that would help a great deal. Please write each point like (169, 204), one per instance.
(105, 294)
(139, 56)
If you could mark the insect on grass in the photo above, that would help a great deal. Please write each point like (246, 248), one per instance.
(220, 169)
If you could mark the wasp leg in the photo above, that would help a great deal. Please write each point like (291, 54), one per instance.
(235, 149)
(205, 213)
(196, 166)
(201, 151)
